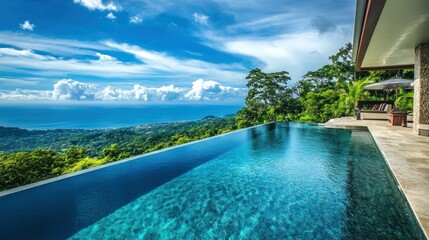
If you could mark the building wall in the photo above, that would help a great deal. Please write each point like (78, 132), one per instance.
(421, 90)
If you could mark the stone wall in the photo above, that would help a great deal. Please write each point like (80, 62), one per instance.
(421, 87)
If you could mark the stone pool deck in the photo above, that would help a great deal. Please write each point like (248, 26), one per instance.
(408, 157)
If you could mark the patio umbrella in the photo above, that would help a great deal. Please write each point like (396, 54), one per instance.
(394, 83)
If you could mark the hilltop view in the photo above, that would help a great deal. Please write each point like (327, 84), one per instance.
(143, 119)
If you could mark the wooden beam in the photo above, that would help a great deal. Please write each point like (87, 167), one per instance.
(396, 67)
(370, 20)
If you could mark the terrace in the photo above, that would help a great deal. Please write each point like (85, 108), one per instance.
(393, 35)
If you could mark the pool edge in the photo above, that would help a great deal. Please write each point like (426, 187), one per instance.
(386, 160)
(401, 189)
(62, 177)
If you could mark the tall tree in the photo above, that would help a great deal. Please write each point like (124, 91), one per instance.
(268, 99)
(342, 68)
(329, 91)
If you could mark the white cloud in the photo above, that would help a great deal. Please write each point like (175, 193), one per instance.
(67, 89)
(47, 65)
(201, 91)
(27, 26)
(293, 52)
(286, 16)
(111, 16)
(97, 5)
(162, 62)
(256, 23)
(62, 57)
(23, 54)
(272, 21)
(25, 94)
(136, 20)
(164, 93)
(150, 8)
(141, 93)
(200, 18)
(104, 57)
(110, 93)
(62, 47)
(211, 90)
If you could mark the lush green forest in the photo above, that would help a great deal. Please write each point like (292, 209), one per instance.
(328, 92)
(30, 156)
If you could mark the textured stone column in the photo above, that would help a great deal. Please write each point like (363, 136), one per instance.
(421, 90)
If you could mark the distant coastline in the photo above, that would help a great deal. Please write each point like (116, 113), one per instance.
(15, 139)
(42, 154)
(105, 116)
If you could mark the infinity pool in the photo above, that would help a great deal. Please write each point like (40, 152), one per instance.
(276, 181)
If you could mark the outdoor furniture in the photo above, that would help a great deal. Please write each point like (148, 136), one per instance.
(398, 118)
(373, 110)
(394, 83)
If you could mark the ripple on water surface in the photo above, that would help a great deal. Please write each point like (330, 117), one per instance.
(295, 181)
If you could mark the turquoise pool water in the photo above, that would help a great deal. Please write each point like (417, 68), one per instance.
(293, 181)
(277, 181)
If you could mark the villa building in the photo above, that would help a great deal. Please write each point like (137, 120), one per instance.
(394, 34)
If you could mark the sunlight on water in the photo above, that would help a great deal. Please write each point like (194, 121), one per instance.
(277, 181)
(291, 182)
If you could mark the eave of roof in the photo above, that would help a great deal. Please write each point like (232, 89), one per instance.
(368, 13)
(387, 32)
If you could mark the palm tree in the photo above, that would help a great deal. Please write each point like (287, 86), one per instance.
(351, 93)
(405, 100)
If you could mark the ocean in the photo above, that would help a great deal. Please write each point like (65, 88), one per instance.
(84, 116)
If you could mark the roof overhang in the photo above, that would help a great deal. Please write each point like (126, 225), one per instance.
(388, 31)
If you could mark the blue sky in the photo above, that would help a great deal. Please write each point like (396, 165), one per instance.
(161, 50)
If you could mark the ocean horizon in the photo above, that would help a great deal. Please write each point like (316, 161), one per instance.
(104, 116)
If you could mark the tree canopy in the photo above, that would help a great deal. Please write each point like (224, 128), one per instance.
(94, 148)
(269, 98)
(331, 91)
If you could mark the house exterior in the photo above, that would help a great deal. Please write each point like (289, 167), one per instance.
(394, 34)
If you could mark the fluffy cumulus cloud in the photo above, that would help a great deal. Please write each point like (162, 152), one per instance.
(27, 26)
(110, 93)
(68, 89)
(164, 93)
(136, 20)
(97, 5)
(141, 93)
(211, 90)
(200, 18)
